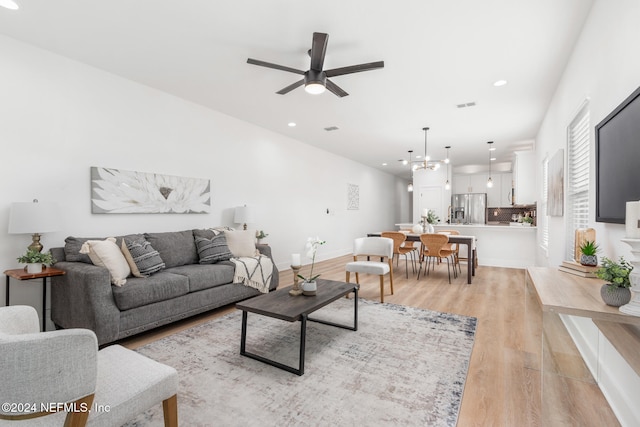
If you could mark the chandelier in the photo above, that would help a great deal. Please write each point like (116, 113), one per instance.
(426, 162)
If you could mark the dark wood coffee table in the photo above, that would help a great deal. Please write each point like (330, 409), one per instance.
(280, 305)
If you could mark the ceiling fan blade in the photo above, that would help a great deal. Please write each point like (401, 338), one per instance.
(318, 50)
(290, 87)
(354, 69)
(275, 66)
(335, 89)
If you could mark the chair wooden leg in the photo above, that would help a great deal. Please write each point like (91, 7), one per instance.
(170, 411)
(391, 279)
(381, 288)
(79, 418)
(348, 277)
(357, 278)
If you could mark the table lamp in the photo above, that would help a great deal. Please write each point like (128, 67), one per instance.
(34, 218)
(243, 215)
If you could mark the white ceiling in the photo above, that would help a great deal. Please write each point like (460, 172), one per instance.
(437, 54)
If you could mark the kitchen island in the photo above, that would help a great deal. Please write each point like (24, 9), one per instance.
(500, 245)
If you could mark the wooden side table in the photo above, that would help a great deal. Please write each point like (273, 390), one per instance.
(21, 274)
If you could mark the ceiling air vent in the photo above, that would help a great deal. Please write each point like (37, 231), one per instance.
(466, 104)
(331, 128)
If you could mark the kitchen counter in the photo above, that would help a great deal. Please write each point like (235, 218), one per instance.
(493, 226)
(500, 245)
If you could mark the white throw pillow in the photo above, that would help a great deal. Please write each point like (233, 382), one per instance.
(242, 242)
(106, 253)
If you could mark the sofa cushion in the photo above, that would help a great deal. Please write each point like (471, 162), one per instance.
(213, 250)
(106, 253)
(143, 259)
(72, 246)
(175, 248)
(143, 291)
(204, 276)
(242, 243)
(209, 233)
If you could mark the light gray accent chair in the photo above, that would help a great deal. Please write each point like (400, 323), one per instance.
(377, 248)
(65, 367)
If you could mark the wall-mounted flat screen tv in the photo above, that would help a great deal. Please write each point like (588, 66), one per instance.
(618, 160)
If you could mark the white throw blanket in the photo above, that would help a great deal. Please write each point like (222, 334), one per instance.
(253, 271)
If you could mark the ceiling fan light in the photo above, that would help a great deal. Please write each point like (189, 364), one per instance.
(314, 88)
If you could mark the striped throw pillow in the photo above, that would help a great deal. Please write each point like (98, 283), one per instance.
(213, 250)
(146, 259)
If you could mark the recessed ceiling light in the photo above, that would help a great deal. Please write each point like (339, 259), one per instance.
(500, 83)
(291, 124)
(384, 164)
(492, 158)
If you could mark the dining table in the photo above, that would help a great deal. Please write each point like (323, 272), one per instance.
(469, 241)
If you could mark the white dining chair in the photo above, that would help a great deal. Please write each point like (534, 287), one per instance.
(377, 248)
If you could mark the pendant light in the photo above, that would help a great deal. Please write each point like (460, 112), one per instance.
(426, 158)
(410, 186)
(447, 185)
(490, 181)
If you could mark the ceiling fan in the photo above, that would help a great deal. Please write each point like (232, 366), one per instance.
(316, 80)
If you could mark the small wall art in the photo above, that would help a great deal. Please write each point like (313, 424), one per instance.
(555, 180)
(121, 191)
(353, 197)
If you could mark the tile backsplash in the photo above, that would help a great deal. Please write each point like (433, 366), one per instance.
(504, 215)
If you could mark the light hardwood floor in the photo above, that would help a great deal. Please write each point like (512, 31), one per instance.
(503, 383)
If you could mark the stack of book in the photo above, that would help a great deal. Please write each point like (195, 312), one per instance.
(578, 269)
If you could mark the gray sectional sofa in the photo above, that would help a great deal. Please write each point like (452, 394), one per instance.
(85, 298)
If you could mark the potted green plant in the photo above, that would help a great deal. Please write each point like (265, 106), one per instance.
(527, 220)
(588, 250)
(260, 234)
(616, 291)
(35, 260)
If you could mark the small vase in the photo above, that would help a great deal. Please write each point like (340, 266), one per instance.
(309, 288)
(615, 296)
(417, 229)
(589, 260)
(430, 228)
(34, 268)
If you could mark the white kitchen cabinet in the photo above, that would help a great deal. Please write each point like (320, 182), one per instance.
(474, 183)
(506, 184)
(494, 193)
(524, 177)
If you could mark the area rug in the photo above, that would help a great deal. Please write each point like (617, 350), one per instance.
(403, 366)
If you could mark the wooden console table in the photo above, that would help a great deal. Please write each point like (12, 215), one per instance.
(562, 368)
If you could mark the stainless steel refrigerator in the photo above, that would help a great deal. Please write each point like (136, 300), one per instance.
(469, 208)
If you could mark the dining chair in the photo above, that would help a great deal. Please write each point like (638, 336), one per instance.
(372, 248)
(455, 247)
(433, 248)
(400, 248)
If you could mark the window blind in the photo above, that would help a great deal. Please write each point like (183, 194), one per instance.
(578, 143)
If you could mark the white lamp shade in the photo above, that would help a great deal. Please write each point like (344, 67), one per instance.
(242, 215)
(33, 217)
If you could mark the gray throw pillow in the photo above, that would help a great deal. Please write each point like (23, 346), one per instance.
(213, 250)
(146, 259)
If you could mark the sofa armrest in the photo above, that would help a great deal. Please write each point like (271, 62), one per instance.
(82, 298)
(275, 277)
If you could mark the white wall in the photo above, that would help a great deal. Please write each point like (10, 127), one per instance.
(604, 68)
(60, 117)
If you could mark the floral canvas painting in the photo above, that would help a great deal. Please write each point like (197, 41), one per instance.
(120, 191)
